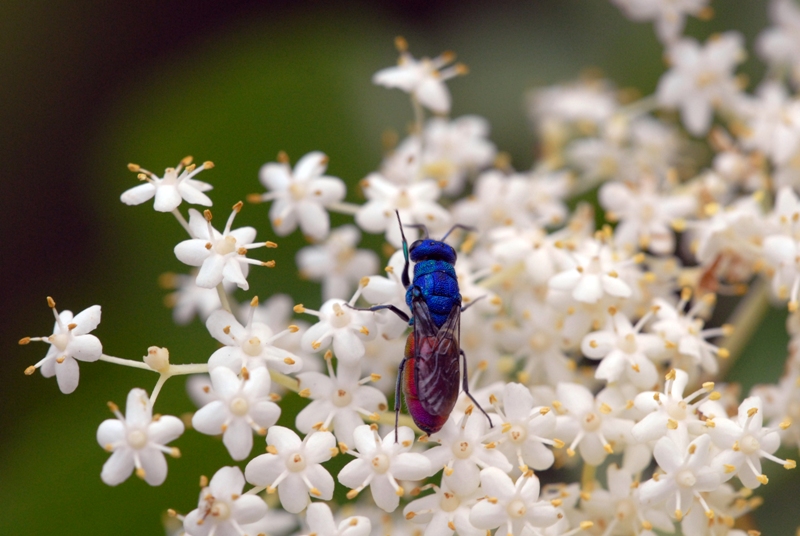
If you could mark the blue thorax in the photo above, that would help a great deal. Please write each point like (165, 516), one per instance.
(436, 281)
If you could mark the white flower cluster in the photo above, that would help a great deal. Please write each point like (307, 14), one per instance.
(588, 345)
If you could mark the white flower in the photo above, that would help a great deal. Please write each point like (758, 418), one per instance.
(670, 412)
(69, 343)
(513, 505)
(241, 407)
(188, 299)
(746, 441)
(176, 185)
(527, 429)
(624, 351)
(645, 215)
(341, 324)
(220, 256)
(301, 195)
(294, 467)
(454, 149)
(249, 346)
(591, 102)
(590, 423)
(340, 400)
(620, 507)
(684, 335)
(223, 510)
(444, 512)
(701, 78)
(337, 262)
(669, 16)
(415, 202)
(780, 44)
(463, 451)
(423, 79)
(137, 441)
(380, 463)
(321, 523)
(686, 473)
(595, 272)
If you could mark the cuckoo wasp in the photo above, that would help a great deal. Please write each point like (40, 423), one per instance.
(429, 372)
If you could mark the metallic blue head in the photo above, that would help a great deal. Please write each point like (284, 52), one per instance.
(434, 250)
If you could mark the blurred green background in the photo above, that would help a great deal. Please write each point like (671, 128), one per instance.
(88, 86)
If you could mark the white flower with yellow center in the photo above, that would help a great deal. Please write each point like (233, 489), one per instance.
(223, 509)
(137, 441)
(293, 467)
(341, 325)
(177, 184)
(380, 463)
(220, 256)
(249, 346)
(301, 195)
(516, 506)
(423, 79)
(69, 343)
(242, 406)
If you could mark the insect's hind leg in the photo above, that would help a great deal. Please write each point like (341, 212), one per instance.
(465, 386)
(404, 317)
(397, 396)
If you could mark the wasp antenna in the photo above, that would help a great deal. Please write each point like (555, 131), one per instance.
(457, 226)
(406, 280)
(420, 226)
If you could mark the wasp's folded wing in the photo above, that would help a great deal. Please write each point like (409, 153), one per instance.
(437, 358)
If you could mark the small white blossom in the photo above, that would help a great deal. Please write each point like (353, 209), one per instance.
(423, 79)
(242, 406)
(301, 195)
(594, 272)
(293, 466)
(321, 523)
(780, 44)
(416, 204)
(516, 506)
(249, 346)
(464, 449)
(701, 78)
(137, 441)
(645, 215)
(670, 412)
(745, 441)
(623, 351)
(669, 16)
(339, 400)
(380, 463)
(177, 184)
(337, 263)
(685, 339)
(620, 509)
(342, 325)
(526, 429)
(444, 512)
(686, 473)
(223, 510)
(69, 343)
(220, 256)
(590, 424)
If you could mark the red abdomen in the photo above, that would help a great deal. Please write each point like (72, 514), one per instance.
(426, 422)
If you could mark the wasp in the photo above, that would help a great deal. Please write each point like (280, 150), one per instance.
(429, 372)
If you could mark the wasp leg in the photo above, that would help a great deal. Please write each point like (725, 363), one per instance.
(465, 386)
(397, 396)
(473, 302)
(404, 317)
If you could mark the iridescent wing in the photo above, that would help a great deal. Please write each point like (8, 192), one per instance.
(436, 370)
